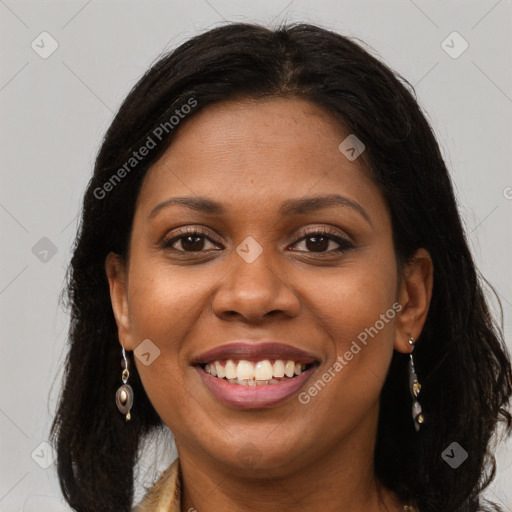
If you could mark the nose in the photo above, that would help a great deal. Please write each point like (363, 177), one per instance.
(254, 291)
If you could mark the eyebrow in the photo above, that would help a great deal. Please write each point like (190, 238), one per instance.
(312, 204)
(288, 208)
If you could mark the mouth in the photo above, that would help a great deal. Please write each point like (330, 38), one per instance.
(260, 373)
(251, 376)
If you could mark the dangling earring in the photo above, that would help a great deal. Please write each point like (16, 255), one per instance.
(414, 387)
(124, 395)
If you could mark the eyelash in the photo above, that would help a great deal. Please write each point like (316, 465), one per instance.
(303, 235)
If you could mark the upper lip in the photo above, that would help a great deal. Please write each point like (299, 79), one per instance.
(255, 351)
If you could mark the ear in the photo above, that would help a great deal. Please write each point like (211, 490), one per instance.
(117, 278)
(415, 292)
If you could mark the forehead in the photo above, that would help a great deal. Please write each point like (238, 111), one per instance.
(256, 153)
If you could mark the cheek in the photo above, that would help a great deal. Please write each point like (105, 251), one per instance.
(348, 386)
(356, 307)
(353, 298)
(163, 303)
(164, 306)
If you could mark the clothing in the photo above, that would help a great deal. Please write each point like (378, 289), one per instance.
(164, 496)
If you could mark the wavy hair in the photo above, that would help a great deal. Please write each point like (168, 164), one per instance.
(460, 357)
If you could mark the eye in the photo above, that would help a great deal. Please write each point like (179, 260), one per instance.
(321, 239)
(191, 240)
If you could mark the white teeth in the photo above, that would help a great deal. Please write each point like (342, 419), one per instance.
(230, 369)
(279, 368)
(245, 370)
(289, 368)
(221, 373)
(248, 373)
(263, 370)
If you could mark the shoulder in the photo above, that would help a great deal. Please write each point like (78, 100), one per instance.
(164, 495)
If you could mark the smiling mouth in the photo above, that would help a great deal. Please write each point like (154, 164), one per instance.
(255, 373)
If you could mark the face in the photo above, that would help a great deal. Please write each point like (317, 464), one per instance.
(278, 255)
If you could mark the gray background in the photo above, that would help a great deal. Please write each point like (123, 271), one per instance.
(55, 111)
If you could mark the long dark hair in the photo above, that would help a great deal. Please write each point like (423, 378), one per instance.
(460, 357)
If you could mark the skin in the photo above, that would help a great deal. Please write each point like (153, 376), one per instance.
(251, 156)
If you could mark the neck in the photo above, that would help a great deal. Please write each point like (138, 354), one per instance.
(342, 479)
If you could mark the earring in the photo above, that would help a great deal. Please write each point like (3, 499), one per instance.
(414, 387)
(124, 395)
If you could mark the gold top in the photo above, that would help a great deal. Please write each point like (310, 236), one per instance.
(164, 495)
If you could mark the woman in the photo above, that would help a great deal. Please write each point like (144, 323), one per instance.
(271, 246)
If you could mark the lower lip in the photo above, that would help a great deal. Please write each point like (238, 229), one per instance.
(254, 397)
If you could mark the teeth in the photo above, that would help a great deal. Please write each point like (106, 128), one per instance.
(245, 370)
(219, 369)
(247, 373)
(263, 370)
(230, 369)
(279, 368)
(289, 368)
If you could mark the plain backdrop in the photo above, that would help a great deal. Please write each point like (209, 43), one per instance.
(56, 107)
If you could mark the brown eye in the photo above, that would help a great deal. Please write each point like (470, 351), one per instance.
(191, 241)
(321, 241)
